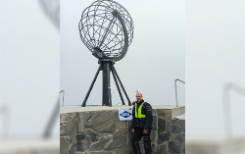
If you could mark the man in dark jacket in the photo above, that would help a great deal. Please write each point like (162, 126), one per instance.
(141, 124)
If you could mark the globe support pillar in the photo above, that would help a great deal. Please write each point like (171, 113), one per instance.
(106, 95)
(107, 66)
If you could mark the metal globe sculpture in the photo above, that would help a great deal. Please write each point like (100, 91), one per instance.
(106, 29)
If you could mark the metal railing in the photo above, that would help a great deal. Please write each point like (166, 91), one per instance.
(175, 85)
(63, 97)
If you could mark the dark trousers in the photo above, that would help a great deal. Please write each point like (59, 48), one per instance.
(137, 135)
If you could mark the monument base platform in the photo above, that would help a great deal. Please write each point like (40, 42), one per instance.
(97, 129)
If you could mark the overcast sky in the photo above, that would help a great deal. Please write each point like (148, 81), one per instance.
(154, 60)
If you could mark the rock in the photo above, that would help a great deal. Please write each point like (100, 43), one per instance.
(175, 122)
(72, 128)
(153, 136)
(104, 122)
(174, 128)
(72, 149)
(63, 128)
(153, 147)
(142, 149)
(81, 122)
(119, 139)
(182, 125)
(97, 146)
(165, 114)
(130, 134)
(154, 112)
(121, 124)
(154, 123)
(64, 144)
(161, 125)
(83, 142)
(173, 147)
(88, 115)
(93, 135)
(63, 117)
(163, 137)
(162, 148)
(101, 152)
(180, 140)
(125, 150)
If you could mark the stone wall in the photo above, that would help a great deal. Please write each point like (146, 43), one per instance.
(101, 132)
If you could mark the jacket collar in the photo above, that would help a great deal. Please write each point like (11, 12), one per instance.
(141, 102)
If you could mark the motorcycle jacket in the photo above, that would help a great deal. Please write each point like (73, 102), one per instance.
(145, 119)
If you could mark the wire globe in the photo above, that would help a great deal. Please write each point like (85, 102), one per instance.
(106, 29)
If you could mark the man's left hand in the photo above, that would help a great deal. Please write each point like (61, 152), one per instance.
(145, 131)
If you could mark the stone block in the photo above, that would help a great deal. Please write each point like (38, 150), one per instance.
(179, 140)
(81, 122)
(88, 115)
(163, 137)
(174, 128)
(64, 144)
(63, 128)
(141, 141)
(104, 122)
(153, 146)
(182, 125)
(99, 145)
(93, 135)
(72, 128)
(125, 150)
(154, 123)
(153, 136)
(129, 124)
(175, 122)
(165, 114)
(154, 112)
(130, 134)
(64, 117)
(163, 148)
(83, 142)
(119, 139)
(101, 152)
(121, 124)
(173, 148)
(161, 125)
(77, 152)
(103, 134)
(72, 149)
(142, 149)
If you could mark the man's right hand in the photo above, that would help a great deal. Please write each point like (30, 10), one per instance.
(132, 130)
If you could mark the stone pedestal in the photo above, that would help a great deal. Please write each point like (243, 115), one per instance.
(97, 130)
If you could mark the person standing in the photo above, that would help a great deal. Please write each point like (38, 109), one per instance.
(141, 124)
